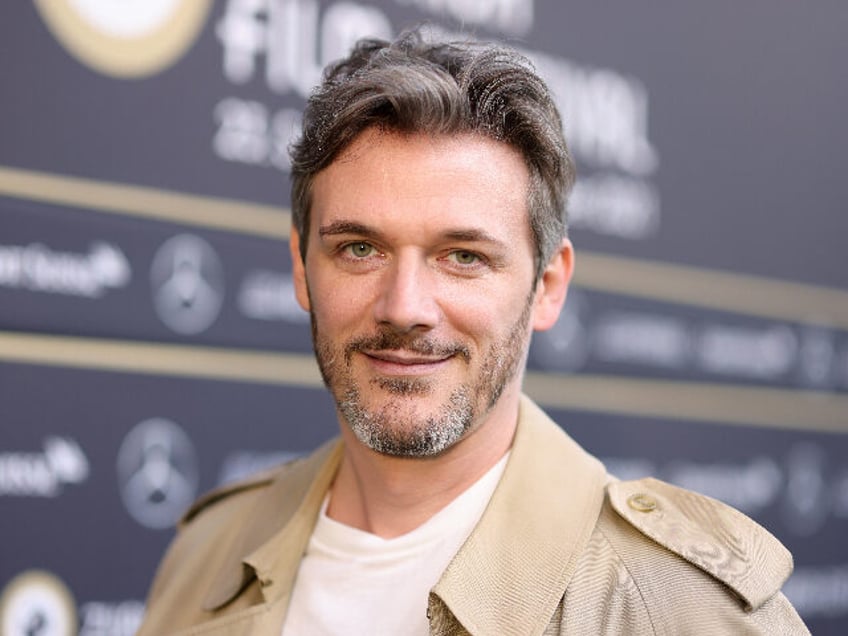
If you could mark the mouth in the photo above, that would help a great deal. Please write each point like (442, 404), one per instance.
(405, 363)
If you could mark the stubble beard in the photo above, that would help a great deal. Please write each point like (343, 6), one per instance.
(397, 428)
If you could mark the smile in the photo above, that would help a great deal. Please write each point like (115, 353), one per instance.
(405, 363)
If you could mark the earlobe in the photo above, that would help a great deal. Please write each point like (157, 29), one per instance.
(298, 271)
(552, 288)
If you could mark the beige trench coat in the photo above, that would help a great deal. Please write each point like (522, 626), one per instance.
(561, 549)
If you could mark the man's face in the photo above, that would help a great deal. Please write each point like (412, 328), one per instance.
(419, 281)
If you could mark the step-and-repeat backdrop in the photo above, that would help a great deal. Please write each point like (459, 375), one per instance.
(151, 348)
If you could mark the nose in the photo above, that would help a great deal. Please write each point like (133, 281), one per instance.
(407, 298)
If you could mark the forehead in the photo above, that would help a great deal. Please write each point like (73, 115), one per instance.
(456, 147)
(427, 176)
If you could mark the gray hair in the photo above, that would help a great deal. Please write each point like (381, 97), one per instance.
(414, 86)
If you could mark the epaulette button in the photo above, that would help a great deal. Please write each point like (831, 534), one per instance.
(642, 502)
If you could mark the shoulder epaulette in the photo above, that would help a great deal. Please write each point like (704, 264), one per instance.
(716, 538)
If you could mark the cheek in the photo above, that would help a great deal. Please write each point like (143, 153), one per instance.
(337, 305)
(484, 318)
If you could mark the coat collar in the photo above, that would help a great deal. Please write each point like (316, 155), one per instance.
(274, 533)
(512, 572)
(509, 575)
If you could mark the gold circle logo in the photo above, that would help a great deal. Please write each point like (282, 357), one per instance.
(131, 38)
(37, 602)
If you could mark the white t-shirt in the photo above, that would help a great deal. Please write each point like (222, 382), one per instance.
(354, 582)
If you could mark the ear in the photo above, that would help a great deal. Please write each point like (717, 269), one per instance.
(553, 287)
(298, 270)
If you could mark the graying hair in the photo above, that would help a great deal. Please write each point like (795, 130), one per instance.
(414, 86)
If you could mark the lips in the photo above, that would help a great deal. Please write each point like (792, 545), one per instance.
(405, 358)
(404, 363)
(403, 348)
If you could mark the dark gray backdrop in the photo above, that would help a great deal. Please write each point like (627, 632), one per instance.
(150, 347)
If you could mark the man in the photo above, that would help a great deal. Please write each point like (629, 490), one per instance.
(428, 244)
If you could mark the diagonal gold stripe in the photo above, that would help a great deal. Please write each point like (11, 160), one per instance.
(699, 287)
(235, 365)
(712, 289)
(686, 401)
(161, 205)
(693, 401)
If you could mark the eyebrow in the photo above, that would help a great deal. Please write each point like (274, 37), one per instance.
(347, 227)
(471, 235)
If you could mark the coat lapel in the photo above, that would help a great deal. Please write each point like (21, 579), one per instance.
(512, 572)
(274, 535)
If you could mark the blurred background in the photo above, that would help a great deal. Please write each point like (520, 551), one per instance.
(151, 347)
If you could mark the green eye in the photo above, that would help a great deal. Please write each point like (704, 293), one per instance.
(465, 258)
(360, 250)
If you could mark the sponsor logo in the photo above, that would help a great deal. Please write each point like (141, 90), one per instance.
(43, 474)
(241, 464)
(36, 267)
(111, 619)
(764, 351)
(188, 284)
(638, 338)
(818, 358)
(37, 603)
(157, 472)
(267, 295)
(131, 38)
(758, 353)
(565, 346)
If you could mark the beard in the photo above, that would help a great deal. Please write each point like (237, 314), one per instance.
(398, 427)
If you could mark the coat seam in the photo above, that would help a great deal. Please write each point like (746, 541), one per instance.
(623, 562)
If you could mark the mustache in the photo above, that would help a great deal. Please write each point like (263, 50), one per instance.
(390, 340)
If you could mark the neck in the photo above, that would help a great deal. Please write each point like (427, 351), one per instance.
(390, 496)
